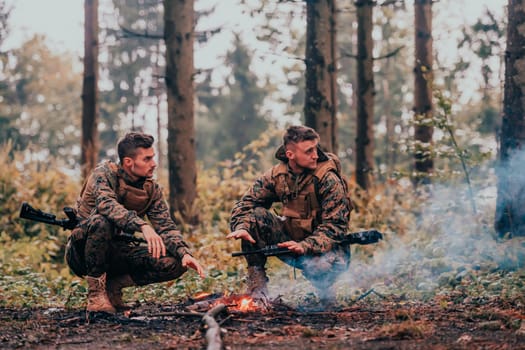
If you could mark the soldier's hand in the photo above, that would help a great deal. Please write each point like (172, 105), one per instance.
(156, 245)
(241, 234)
(191, 262)
(293, 246)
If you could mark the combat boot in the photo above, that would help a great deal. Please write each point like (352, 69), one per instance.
(114, 289)
(256, 282)
(97, 297)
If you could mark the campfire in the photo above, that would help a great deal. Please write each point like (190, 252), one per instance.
(202, 302)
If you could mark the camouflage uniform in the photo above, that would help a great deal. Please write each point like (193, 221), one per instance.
(319, 227)
(109, 204)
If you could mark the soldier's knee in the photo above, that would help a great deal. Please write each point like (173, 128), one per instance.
(260, 213)
(99, 224)
(265, 219)
(329, 265)
(161, 270)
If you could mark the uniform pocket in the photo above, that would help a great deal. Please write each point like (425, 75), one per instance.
(298, 229)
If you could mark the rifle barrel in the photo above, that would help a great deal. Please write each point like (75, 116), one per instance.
(268, 251)
(30, 213)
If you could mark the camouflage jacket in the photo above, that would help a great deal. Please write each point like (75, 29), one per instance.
(100, 195)
(334, 205)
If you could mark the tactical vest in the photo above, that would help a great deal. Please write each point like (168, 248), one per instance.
(300, 204)
(130, 197)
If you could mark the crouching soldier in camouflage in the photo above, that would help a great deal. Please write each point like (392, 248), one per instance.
(315, 215)
(114, 200)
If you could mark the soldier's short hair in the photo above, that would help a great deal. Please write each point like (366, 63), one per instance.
(299, 133)
(127, 145)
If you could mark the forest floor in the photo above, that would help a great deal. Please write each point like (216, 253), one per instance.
(383, 324)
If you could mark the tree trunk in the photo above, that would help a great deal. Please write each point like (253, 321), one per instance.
(179, 36)
(320, 105)
(158, 93)
(365, 95)
(423, 129)
(89, 156)
(510, 211)
(390, 145)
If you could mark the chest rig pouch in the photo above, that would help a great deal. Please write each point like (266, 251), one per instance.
(132, 198)
(300, 205)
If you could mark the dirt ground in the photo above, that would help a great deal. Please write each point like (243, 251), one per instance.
(478, 324)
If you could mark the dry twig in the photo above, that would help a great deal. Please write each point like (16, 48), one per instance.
(213, 334)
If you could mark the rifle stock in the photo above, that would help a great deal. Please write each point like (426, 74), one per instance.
(361, 237)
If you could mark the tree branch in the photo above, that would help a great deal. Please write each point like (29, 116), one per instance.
(200, 37)
(133, 34)
(390, 54)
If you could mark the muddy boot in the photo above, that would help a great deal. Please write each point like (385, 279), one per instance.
(97, 297)
(256, 282)
(114, 290)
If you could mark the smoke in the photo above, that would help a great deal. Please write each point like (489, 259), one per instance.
(510, 210)
(449, 246)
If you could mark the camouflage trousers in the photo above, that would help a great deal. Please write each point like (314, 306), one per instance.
(92, 250)
(321, 270)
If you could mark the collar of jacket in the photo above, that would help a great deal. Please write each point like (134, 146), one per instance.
(127, 179)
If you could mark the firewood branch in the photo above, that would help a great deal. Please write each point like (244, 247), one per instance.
(213, 334)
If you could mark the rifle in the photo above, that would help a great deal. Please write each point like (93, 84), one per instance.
(271, 250)
(30, 213)
(361, 237)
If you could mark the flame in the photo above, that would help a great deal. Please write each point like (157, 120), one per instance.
(247, 304)
(241, 303)
(234, 302)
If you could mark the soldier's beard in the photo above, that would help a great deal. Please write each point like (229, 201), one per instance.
(148, 175)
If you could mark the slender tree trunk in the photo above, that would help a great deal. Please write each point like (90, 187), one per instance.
(365, 95)
(390, 146)
(320, 103)
(89, 155)
(423, 129)
(387, 83)
(333, 74)
(179, 36)
(158, 93)
(510, 209)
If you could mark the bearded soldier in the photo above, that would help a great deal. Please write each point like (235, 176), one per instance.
(115, 199)
(314, 219)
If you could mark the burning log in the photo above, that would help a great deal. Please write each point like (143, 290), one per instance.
(213, 334)
(234, 303)
(204, 301)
